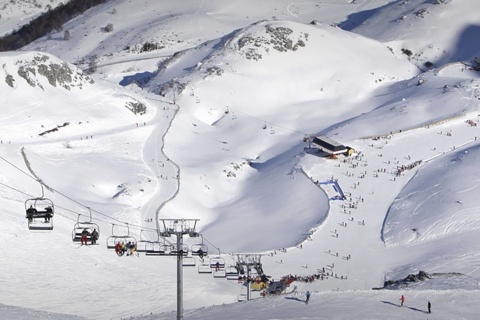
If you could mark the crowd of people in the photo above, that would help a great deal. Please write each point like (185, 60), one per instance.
(407, 167)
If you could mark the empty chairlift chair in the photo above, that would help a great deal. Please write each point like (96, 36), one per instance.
(189, 261)
(204, 267)
(231, 273)
(142, 244)
(175, 250)
(157, 248)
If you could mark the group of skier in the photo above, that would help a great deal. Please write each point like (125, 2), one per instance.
(86, 234)
(121, 248)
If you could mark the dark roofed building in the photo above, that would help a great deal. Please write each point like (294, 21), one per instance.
(329, 145)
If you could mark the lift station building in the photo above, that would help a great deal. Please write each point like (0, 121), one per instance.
(331, 146)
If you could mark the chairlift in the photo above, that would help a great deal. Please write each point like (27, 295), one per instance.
(272, 131)
(204, 267)
(175, 250)
(114, 239)
(264, 126)
(199, 249)
(142, 243)
(242, 296)
(234, 116)
(231, 273)
(80, 226)
(156, 248)
(39, 212)
(220, 273)
(189, 261)
(226, 111)
(217, 262)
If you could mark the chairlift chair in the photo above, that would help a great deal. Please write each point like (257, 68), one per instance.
(156, 248)
(220, 273)
(242, 296)
(204, 267)
(189, 261)
(142, 243)
(39, 212)
(199, 249)
(231, 273)
(82, 225)
(114, 239)
(174, 250)
(219, 260)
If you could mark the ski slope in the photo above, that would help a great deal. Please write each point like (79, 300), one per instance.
(242, 87)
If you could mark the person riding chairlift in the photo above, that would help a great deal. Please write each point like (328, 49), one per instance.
(94, 236)
(84, 236)
(118, 249)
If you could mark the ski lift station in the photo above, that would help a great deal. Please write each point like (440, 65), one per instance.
(331, 147)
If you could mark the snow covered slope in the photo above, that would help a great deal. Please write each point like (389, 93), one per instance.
(201, 110)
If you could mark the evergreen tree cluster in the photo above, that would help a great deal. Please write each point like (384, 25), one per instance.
(49, 21)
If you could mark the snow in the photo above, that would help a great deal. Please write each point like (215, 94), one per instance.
(243, 85)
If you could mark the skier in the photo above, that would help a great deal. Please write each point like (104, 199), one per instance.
(84, 236)
(429, 305)
(30, 212)
(308, 297)
(94, 236)
(118, 249)
(402, 300)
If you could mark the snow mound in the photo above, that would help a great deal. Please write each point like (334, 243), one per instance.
(435, 203)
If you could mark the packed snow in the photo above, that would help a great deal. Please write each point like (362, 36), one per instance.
(215, 123)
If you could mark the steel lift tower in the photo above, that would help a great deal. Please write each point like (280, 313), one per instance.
(179, 228)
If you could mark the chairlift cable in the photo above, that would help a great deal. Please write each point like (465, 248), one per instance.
(71, 199)
(270, 124)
